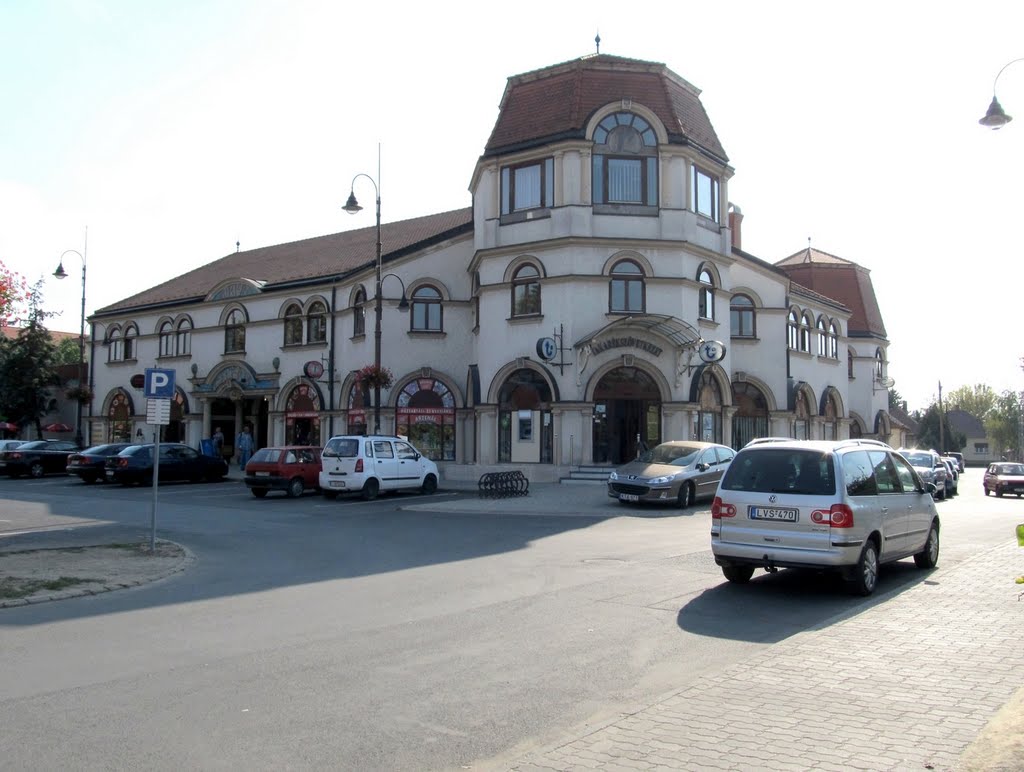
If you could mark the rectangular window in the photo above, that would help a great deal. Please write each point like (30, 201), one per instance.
(705, 194)
(981, 447)
(625, 181)
(530, 186)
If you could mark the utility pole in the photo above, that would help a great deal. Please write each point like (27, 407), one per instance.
(942, 438)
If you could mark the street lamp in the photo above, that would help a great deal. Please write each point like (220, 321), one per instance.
(996, 118)
(60, 273)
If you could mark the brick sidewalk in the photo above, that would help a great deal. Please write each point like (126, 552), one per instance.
(907, 684)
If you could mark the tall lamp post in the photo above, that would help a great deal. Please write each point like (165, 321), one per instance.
(996, 117)
(352, 206)
(60, 273)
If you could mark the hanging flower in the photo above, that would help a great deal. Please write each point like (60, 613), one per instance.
(81, 394)
(373, 376)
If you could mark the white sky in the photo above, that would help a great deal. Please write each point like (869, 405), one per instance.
(173, 129)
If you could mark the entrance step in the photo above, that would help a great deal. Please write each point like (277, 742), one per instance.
(587, 475)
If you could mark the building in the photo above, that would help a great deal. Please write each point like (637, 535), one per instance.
(978, 451)
(594, 298)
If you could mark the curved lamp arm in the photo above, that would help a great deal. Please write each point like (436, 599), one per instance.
(996, 117)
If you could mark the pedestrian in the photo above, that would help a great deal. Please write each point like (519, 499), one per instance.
(218, 442)
(245, 447)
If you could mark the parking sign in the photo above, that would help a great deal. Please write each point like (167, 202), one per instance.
(159, 383)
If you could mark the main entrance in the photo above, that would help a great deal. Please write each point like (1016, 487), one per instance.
(627, 415)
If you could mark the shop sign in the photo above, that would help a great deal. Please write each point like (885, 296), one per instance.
(627, 342)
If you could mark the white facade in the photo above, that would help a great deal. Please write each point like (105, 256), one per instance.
(627, 292)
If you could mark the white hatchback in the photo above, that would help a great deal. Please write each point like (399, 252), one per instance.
(375, 463)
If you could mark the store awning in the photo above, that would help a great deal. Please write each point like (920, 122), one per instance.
(681, 333)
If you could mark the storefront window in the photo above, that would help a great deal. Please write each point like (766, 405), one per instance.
(426, 415)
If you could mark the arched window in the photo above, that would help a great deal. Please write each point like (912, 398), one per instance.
(166, 339)
(626, 289)
(741, 317)
(526, 291)
(359, 313)
(805, 333)
(793, 330)
(879, 365)
(849, 364)
(833, 341)
(425, 412)
(293, 325)
(131, 334)
(234, 332)
(802, 414)
(706, 299)
(625, 161)
(427, 312)
(316, 323)
(822, 337)
(115, 346)
(183, 342)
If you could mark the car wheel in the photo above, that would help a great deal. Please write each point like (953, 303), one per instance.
(295, 488)
(329, 495)
(259, 492)
(986, 491)
(36, 469)
(999, 494)
(685, 497)
(942, 496)
(929, 556)
(865, 577)
(429, 484)
(370, 489)
(738, 574)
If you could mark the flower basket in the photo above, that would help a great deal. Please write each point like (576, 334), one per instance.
(372, 376)
(79, 394)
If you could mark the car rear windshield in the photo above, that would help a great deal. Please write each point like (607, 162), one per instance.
(342, 447)
(266, 456)
(920, 459)
(775, 470)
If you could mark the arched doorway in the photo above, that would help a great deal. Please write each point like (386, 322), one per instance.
(627, 412)
(175, 430)
(751, 418)
(830, 428)
(802, 420)
(524, 419)
(426, 415)
(120, 416)
(358, 405)
(302, 416)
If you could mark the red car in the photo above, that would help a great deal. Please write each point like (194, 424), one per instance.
(292, 469)
(1004, 477)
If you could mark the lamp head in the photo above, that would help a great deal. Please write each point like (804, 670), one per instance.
(403, 304)
(995, 118)
(60, 273)
(352, 206)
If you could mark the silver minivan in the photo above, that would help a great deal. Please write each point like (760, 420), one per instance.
(846, 505)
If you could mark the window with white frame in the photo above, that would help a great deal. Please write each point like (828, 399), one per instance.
(833, 341)
(166, 334)
(115, 346)
(706, 299)
(822, 337)
(793, 330)
(526, 186)
(131, 336)
(183, 342)
(805, 333)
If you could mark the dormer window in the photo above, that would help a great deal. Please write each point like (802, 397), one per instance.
(625, 161)
(705, 194)
(528, 186)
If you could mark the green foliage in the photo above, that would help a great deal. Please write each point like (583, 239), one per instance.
(977, 400)
(895, 398)
(930, 435)
(1002, 424)
(67, 352)
(27, 368)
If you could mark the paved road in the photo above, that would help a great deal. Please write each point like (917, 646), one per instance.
(560, 631)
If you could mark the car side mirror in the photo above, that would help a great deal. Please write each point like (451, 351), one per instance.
(930, 488)
(702, 467)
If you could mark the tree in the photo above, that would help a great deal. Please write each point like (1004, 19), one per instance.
(977, 400)
(13, 294)
(67, 352)
(1002, 424)
(928, 435)
(27, 368)
(895, 398)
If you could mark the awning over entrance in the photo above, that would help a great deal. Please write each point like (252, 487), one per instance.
(681, 333)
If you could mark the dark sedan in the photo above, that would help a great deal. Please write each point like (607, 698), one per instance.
(88, 465)
(134, 464)
(37, 458)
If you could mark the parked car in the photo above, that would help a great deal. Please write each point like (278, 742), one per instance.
(89, 464)
(375, 463)
(10, 444)
(952, 476)
(134, 464)
(929, 465)
(679, 472)
(847, 506)
(292, 469)
(37, 457)
(1004, 477)
(959, 459)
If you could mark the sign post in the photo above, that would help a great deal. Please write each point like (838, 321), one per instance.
(159, 389)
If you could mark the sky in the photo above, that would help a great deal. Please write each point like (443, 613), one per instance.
(152, 137)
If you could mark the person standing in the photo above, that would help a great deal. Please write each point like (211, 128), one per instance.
(245, 447)
(218, 442)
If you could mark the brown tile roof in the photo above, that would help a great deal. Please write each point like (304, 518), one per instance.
(842, 280)
(556, 102)
(55, 335)
(321, 257)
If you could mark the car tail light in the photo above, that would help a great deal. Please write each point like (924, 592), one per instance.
(720, 509)
(122, 462)
(15, 454)
(841, 516)
(359, 465)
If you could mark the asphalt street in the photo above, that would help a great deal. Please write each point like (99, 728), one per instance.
(431, 633)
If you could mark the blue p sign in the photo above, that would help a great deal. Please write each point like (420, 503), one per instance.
(159, 383)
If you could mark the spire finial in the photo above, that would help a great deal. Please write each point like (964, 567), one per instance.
(238, 246)
(597, 40)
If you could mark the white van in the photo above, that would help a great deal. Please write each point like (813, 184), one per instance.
(374, 463)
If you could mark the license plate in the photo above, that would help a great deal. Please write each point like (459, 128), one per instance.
(337, 483)
(773, 513)
(262, 474)
(110, 473)
(628, 497)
